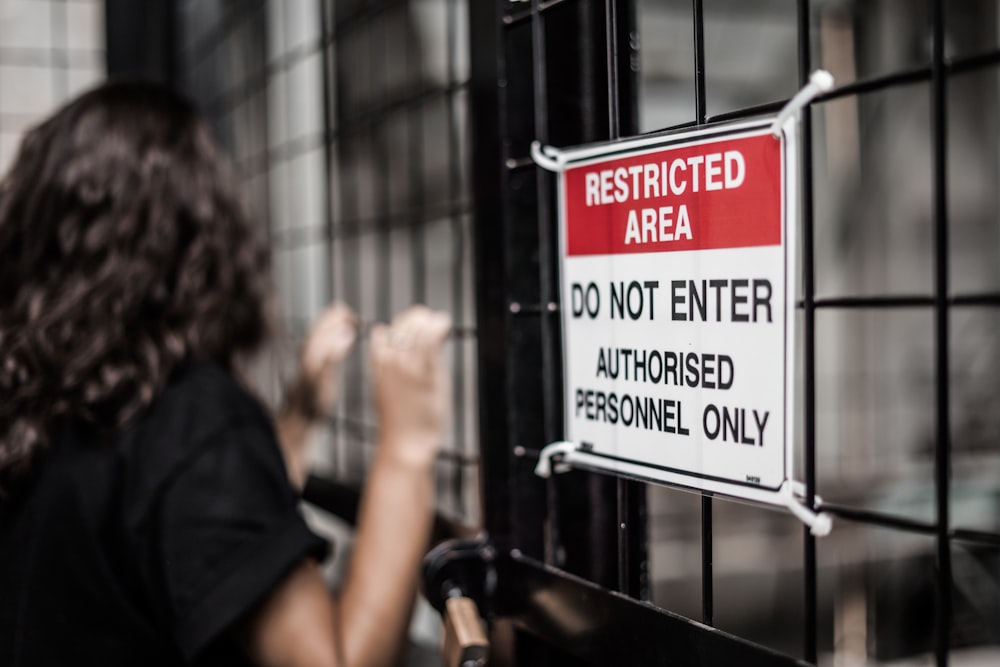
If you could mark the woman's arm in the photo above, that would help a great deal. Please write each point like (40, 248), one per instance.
(312, 395)
(299, 625)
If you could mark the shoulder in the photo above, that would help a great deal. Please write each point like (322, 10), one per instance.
(201, 399)
(206, 392)
(200, 410)
(208, 505)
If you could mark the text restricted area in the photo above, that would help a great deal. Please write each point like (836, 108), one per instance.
(674, 265)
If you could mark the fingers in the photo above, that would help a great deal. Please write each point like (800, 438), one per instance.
(405, 356)
(412, 343)
(439, 327)
(418, 330)
(339, 325)
(411, 385)
(422, 327)
(378, 339)
(330, 338)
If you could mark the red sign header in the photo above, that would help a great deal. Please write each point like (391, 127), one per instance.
(723, 193)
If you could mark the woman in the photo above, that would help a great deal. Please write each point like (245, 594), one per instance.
(147, 515)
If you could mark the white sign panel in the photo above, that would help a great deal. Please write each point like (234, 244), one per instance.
(676, 258)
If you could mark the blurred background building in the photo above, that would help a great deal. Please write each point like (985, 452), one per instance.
(49, 51)
(383, 145)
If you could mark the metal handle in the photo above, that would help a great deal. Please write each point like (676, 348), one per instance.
(465, 643)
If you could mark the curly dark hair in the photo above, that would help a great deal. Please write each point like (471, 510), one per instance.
(126, 251)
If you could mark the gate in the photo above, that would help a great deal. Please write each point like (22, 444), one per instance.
(574, 555)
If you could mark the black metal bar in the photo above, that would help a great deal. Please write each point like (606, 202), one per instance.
(59, 61)
(623, 501)
(874, 84)
(525, 15)
(622, 29)
(882, 519)
(623, 490)
(518, 17)
(976, 537)
(298, 235)
(975, 299)
(487, 107)
(348, 149)
(942, 444)
(606, 628)
(673, 128)
(905, 524)
(700, 94)
(747, 112)
(551, 403)
(262, 161)
(623, 109)
(701, 117)
(140, 39)
(415, 215)
(847, 302)
(418, 254)
(707, 562)
(383, 281)
(294, 147)
(226, 99)
(268, 223)
(328, 154)
(334, 496)
(611, 35)
(513, 164)
(970, 63)
(902, 301)
(218, 33)
(810, 650)
(637, 578)
(343, 499)
(372, 116)
(458, 250)
(549, 4)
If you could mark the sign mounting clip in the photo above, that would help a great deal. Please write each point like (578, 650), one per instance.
(820, 82)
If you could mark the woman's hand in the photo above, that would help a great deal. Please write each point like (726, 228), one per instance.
(314, 393)
(412, 387)
(299, 624)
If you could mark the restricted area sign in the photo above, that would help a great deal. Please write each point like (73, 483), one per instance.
(676, 257)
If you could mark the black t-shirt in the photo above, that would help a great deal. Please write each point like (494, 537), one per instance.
(146, 551)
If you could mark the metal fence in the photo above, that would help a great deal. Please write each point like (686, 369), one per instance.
(899, 289)
(385, 144)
